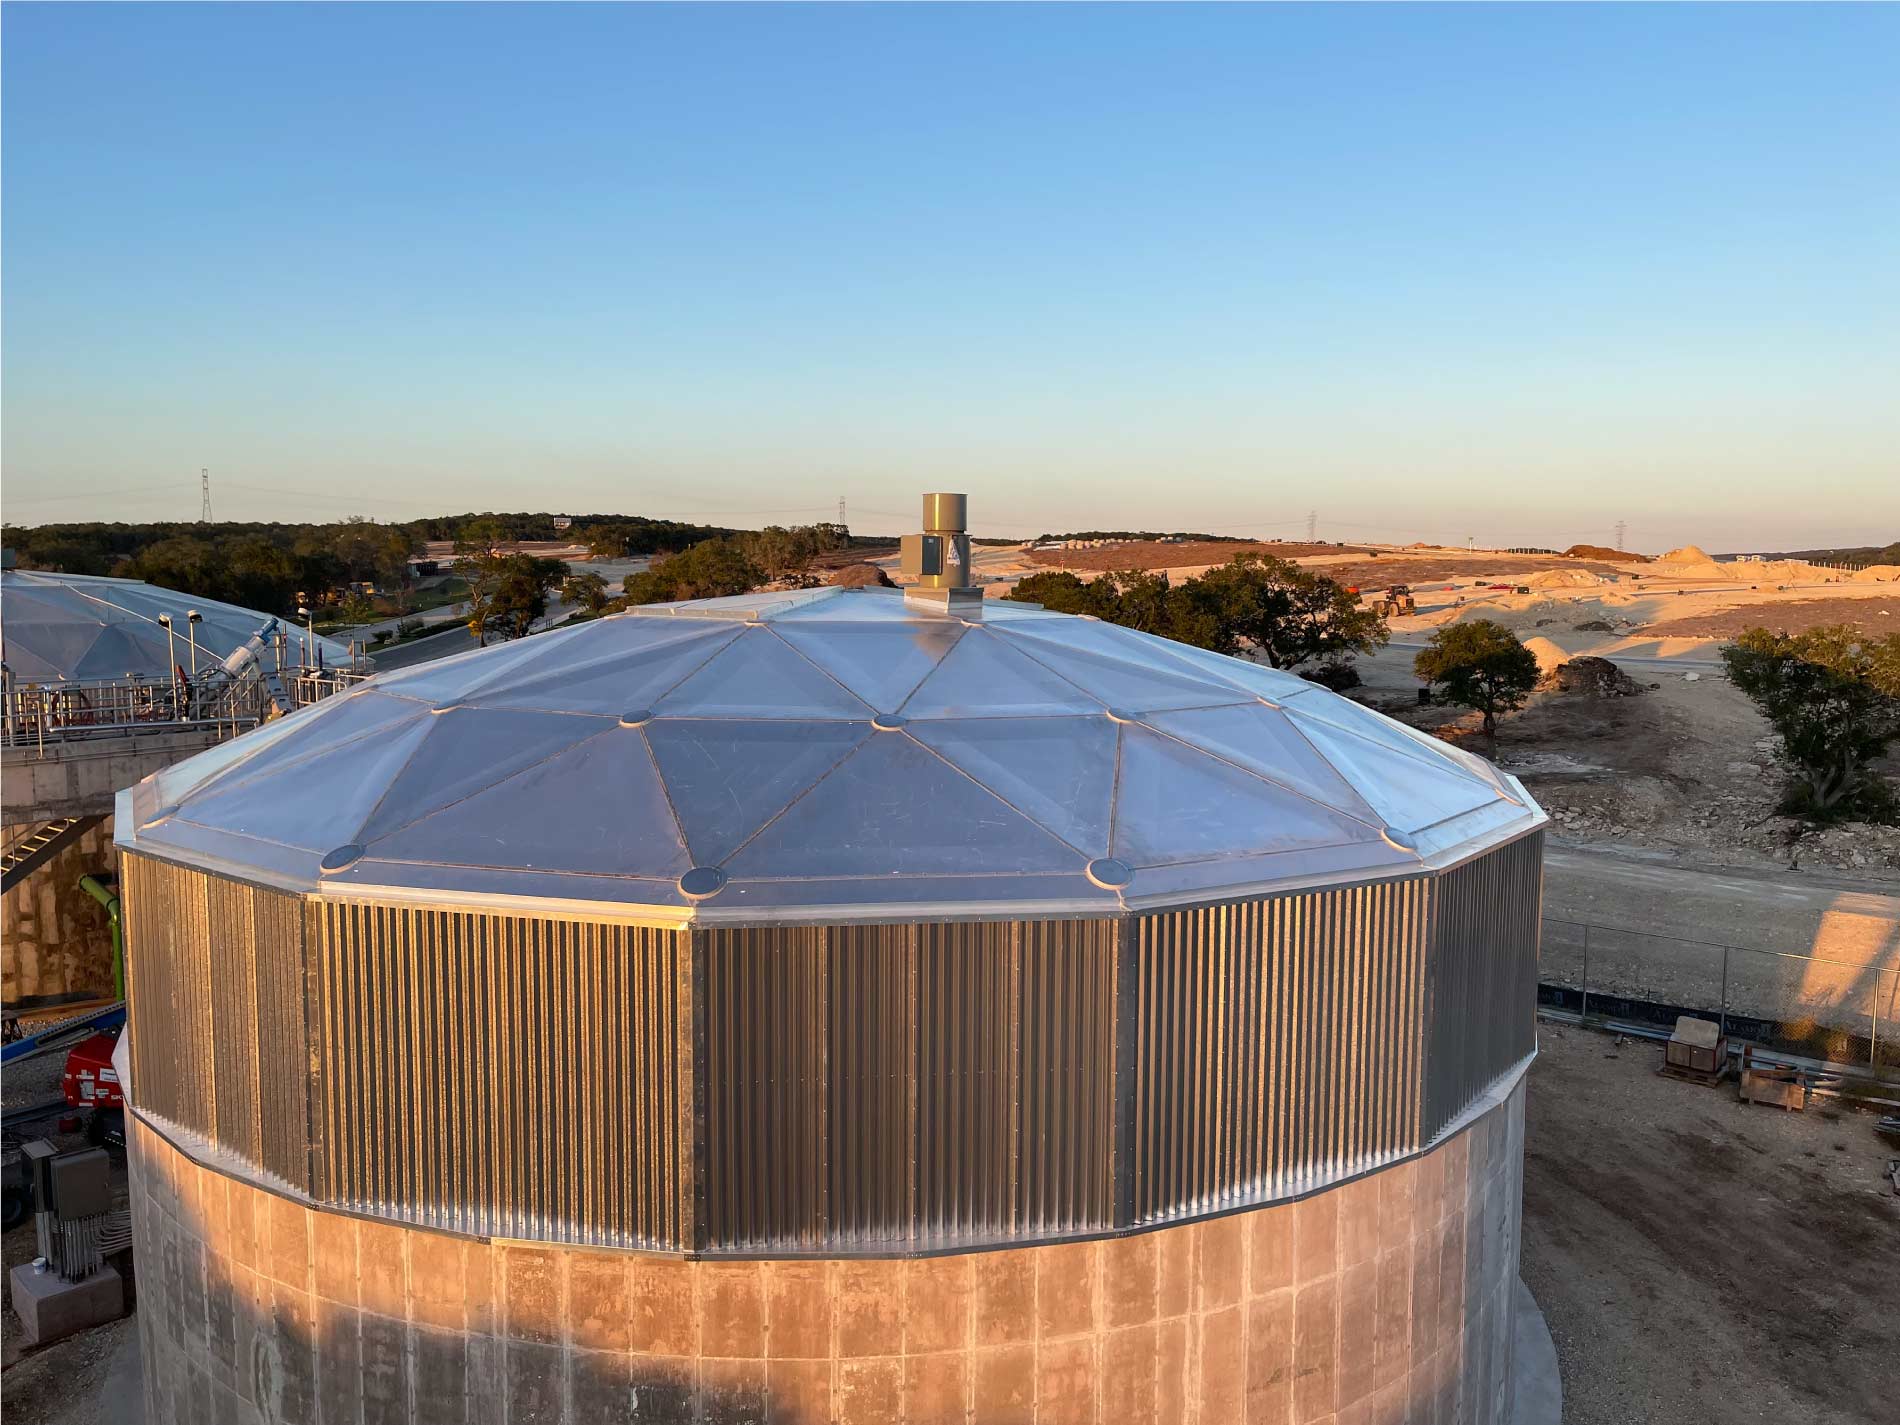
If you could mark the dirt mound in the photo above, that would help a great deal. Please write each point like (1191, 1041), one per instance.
(1687, 554)
(862, 576)
(1877, 574)
(1595, 625)
(1562, 579)
(1548, 654)
(1596, 677)
(1598, 551)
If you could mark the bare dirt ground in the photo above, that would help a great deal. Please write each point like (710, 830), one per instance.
(1701, 1258)
(1158, 554)
(1874, 614)
(1430, 568)
(1684, 767)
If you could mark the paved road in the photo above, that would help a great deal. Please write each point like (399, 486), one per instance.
(1646, 915)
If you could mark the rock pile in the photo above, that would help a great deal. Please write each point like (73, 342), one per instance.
(1597, 677)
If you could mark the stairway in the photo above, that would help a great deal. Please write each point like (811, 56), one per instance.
(45, 841)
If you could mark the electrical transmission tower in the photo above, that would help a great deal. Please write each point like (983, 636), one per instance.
(204, 503)
(1621, 526)
(1312, 525)
(841, 512)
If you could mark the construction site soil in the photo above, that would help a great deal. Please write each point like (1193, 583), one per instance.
(1697, 1257)
(1160, 554)
(1686, 766)
(1875, 615)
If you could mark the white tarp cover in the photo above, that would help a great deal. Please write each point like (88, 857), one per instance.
(833, 755)
(80, 628)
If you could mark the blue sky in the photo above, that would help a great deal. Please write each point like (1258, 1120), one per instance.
(1511, 273)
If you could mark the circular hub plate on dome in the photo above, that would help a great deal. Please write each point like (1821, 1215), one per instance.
(340, 859)
(1110, 874)
(702, 883)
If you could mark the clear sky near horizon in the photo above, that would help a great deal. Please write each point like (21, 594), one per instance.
(1502, 273)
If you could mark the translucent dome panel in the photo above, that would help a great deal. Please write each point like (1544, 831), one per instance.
(597, 808)
(760, 675)
(982, 676)
(893, 793)
(1176, 804)
(727, 779)
(881, 664)
(1057, 771)
(1136, 683)
(314, 803)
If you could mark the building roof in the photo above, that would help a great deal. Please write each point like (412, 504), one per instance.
(81, 628)
(842, 754)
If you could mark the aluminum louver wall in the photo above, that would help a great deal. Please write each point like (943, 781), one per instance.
(892, 1087)
(1278, 1045)
(882, 1089)
(506, 1076)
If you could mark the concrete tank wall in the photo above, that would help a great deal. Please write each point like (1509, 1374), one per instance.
(1386, 1299)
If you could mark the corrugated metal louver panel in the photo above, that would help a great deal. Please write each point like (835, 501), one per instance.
(1277, 1045)
(883, 1087)
(169, 982)
(501, 1075)
(1483, 975)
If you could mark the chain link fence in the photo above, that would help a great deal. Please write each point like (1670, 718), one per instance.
(1844, 1011)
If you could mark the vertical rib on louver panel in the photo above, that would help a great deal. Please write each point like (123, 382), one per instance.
(1278, 1044)
(965, 986)
(229, 926)
(169, 982)
(766, 1103)
(282, 1030)
(501, 1075)
(1482, 984)
(1065, 1081)
(890, 1086)
(869, 1105)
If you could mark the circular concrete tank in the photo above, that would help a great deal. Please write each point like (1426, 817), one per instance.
(820, 1007)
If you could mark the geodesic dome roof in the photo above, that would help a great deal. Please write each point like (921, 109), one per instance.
(82, 628)
(832, 755)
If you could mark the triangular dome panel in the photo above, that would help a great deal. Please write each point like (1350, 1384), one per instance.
(892, 808)
(1176, 804)
(1058, 771)
(760, 675)
(882, 664)
(727, 779)
(597, 808)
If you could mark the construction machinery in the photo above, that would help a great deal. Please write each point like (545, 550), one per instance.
(1396, 600)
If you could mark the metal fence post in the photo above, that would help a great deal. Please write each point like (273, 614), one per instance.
(1724, 1023)
(1873, 1044)
(1583, 1013)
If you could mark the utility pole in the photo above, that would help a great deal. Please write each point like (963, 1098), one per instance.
(1312, 525)
(1621, 526)
(204, 504)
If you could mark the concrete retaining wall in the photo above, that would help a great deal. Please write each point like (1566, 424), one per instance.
(1385, 1300)
(54, 938)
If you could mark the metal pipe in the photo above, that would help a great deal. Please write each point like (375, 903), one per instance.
(109, 898)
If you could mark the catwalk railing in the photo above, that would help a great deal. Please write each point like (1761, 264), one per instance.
(1843, 1010)
(35, 715)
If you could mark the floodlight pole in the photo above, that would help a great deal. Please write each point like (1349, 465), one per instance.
(192, 620)
(171, 658)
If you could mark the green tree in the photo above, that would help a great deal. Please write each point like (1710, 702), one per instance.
(711, 569)
(586, 589)
(507, 592)
(1289, 616)
(356, 608)
(1479, 664)
(1833, 697)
